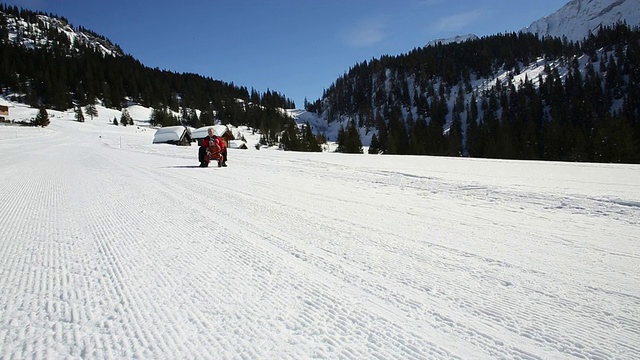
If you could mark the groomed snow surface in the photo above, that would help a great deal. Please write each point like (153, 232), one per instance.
(114, 247)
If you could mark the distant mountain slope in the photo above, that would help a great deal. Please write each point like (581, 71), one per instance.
(574, 20)
(37, 30)
(578, 17)
(46, 61)
(455, 39)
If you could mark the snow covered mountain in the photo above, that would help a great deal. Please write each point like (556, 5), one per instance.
(574, 20)
(455, 39)
(42, 30)
(578, 17)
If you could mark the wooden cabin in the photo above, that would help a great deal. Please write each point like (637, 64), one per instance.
(175, 135)
(4, 111)
(219, 130)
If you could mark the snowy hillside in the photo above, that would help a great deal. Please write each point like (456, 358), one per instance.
(574, 20)
(41, 34)
(114, 247)
(578, 17)
(455, 39)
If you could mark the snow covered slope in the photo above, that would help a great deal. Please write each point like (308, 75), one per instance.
(455, 39)
(114, 247)
(575, 19)
(39, 34)
(578, 17)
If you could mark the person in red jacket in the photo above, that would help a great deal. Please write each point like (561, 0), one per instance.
(223, 151)
(209, 149)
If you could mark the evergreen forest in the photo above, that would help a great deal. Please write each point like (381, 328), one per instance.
(64, 75)
(449, 100)
(457, 99)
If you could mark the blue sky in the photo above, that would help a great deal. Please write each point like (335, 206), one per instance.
(295, 47)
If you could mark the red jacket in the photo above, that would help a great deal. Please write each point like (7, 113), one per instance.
(218, 140)
(207, 141)
(221, 143)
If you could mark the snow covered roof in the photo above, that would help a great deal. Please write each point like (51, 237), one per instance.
(201, 133)
(169, 133)
(237, 144)
(4, 102)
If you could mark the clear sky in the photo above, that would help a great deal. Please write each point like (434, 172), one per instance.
(295, 47)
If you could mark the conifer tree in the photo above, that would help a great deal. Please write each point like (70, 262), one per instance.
(309, 140)
(473, 134)
(207, 118)
(374, 147)
(341, 140)
(91, 110)
(354, 142)
(161, 116)
(125, 118)
(42, 119)
(455, 136)
(290, 137)
(79, 114)
(349, 139)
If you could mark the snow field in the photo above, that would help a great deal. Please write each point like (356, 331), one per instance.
(112, 247)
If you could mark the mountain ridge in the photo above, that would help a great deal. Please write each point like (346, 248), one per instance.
(50, 31)
(574, 20)
(579, 17)
(423, 102)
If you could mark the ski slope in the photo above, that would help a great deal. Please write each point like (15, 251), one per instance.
(114, 247)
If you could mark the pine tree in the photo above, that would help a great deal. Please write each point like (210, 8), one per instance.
(374, 147)
(115, 121)
(455, 136)
(354, 142)
(125, 118)
(207, 118)
(473, 145)
(614, 141)
(310, 141)
(91, 110)
(291, 137)
(341, 140)
(79, 114)
(349, 139)
(42, 119)
(162, 117)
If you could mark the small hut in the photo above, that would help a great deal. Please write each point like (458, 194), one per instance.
(237, 144)
(219, 130)
(175, 135)
(4, 111)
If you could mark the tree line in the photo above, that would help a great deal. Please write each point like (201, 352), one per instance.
(583, 106)
(65, 75)
(425, 102)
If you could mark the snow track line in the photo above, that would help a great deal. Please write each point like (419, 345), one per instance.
(283, 246)
(416, 305)
(36, 258)
(554, 341)
(266, 262)
(110, 253)
(121, 278)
